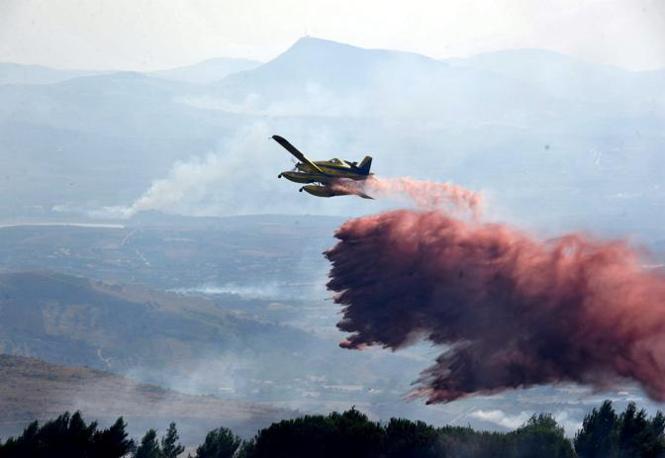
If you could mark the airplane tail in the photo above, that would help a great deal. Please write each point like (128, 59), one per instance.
(365, 164)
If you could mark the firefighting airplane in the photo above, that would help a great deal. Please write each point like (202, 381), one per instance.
(328, 174)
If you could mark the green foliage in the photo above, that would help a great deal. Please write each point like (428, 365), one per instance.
(408, 439)
(112, 442)
(631, 434)
(540, 437)
(68, 435)
(639, 435)
(219, 443)
(149, 447)
(599, 434)
(349, 434)
(604, 433)
(171, 448)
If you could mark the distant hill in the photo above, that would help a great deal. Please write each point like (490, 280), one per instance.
(335, 66)
(31, 389)
(245, 342)
(316, 76)
(98, 103)
(36, 74)
(207, 71)
(564, 76)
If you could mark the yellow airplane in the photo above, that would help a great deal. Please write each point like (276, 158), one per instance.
(325, 173)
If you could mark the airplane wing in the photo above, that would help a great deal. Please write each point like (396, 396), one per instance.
(293, 150)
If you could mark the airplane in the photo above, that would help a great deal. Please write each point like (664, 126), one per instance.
(327, 174)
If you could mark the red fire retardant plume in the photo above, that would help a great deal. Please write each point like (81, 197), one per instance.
(508, 310)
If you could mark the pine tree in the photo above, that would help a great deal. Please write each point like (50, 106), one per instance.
(112, 442)
(654, 443)
(219, 443)
(598, 437)
(640, 436)
(541, 436)
(634, 424)
(149, 447)
(170, 446)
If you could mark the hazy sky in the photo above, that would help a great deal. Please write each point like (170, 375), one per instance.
(151, 34)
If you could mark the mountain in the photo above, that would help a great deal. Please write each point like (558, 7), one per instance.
(331, 64)
(321, 77)
(36, 74)
(207, 71)
(605, 86)
(32, 389)
(108, 103)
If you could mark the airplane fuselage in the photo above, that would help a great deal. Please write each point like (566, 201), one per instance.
(329, 170)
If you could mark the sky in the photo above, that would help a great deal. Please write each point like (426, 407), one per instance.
(155, 34)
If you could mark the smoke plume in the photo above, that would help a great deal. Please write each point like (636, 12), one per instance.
(508, 310)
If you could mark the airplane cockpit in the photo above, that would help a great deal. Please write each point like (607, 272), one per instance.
(337, 161)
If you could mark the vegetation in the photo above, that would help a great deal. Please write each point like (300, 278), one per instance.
(219, 443)
(171, 448)
(351, 434)
(630, 434)
(69, 436)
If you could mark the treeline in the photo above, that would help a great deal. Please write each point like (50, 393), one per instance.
(604, 434)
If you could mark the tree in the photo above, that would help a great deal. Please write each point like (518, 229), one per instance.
(24, 445)
(113, 442)
(349, 434)
(598, 437)
(541, 436)
(632, 425)
(639, 436)
(149, 447)
(219, 443)
(654, 442)
(170, 446)
(246, 450)
(631, 434)
(407, 439)
(69, 435)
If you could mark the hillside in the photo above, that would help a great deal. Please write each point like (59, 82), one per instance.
(207, 71)
(270, 348)
(159, 337)
(33, 389)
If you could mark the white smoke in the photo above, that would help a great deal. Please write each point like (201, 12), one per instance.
(204, 185)
(269, 290)
(239, 178)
